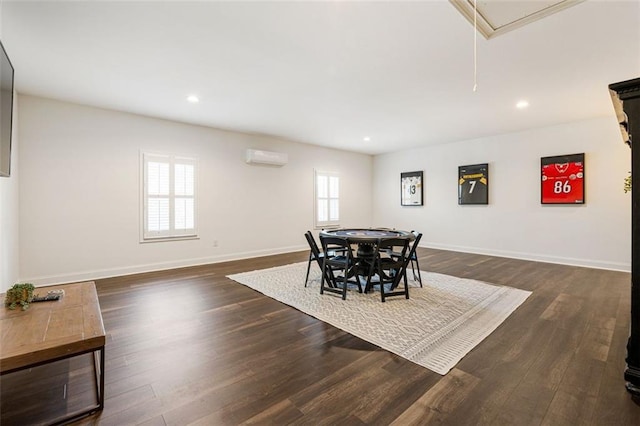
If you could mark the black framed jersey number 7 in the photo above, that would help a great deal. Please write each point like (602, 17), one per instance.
(473, 184)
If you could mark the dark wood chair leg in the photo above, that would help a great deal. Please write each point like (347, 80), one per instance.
(324, 274)
(358, 282)
(416, 277)
(308, 269)
(406, 286)
(344, 287)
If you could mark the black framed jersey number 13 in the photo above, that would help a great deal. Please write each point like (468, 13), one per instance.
(411, 189)
(473, 184)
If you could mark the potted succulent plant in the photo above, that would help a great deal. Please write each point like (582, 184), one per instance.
(627, 183)
(20, 294)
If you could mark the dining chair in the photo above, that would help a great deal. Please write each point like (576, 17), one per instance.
(314, 254)
(413, 257)
(391, 265)
(342, 263)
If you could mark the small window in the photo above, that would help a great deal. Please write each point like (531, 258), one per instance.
(168, 197)
(327, 199)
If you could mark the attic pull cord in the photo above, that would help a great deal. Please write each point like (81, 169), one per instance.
(475, 44)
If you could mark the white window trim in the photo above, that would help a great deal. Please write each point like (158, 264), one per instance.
(172, 234)
(329, 223)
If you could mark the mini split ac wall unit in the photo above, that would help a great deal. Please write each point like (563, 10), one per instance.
(257, 156)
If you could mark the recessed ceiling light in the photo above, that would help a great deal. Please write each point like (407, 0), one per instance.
(522, 104)
(193, 99)
(366, 139)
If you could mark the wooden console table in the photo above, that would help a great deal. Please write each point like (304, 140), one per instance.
(51, 331)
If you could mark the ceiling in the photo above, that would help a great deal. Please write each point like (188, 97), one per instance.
(326, 73)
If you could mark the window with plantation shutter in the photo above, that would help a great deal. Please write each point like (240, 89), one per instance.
(169, 197)
(327, 199)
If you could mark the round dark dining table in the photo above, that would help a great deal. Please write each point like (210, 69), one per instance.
(366, 239)
(367, 235)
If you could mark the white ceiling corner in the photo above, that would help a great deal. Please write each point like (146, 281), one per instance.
(498, 17)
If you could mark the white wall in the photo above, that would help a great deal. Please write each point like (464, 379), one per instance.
(79, 195)
(80, 200)
(9, 217)
(515, 224)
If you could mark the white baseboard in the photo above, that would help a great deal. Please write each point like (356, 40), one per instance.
(128, 270)
(587, 263)
(91, 275)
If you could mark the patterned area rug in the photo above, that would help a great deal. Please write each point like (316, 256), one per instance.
(435, 328)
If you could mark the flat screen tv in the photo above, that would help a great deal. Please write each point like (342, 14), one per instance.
(6, 111)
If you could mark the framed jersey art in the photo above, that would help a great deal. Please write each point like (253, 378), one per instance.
(411, 189)
(562, 179)
(473, 184)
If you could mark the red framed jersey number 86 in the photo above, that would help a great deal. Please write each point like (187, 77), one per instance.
(562, 179)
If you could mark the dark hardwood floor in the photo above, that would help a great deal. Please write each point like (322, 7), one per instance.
(191, 347)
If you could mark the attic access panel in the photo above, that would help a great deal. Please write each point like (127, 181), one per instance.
(498, 17)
